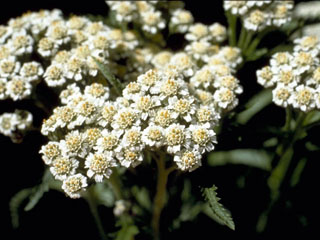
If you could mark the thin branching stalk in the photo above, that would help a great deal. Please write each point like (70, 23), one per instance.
(160, 197)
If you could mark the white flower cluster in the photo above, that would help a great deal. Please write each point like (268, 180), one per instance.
(295, 76)
(18, 72)
(15, 124)
(307, 10)
(67, 48)
(160, 111)
(144, 13)
(257, 15)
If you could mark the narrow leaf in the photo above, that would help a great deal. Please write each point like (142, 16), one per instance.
(109, 76)
(38, 191)
(249, 157)
(255, 105)
(220, 214)
(15, 203)
(296, 175)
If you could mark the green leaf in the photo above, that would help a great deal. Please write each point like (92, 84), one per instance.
(220, 214)
(297, 172)
(255, 105)
(127, 232)
(104, 194)
(142, 197)
(257, 54)
(250, 157)
(15, 203)
(38, 191)
(277, 174)
(109, 76)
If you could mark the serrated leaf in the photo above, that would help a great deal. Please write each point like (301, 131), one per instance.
(249, 157)
(220, 214)
(109, 76)
(15, 203)
(38, 191)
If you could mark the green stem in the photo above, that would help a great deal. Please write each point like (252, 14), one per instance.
(242, 36)
(254, 44)
(232, 22)
(246, 43)
(287, 125)
(90, 197)
(160, 197)
(280, 170)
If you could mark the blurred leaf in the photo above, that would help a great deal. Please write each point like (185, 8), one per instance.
(313, 119)
(277, 175)
(188, 212)
(254, 105)
(109, 76)
(280, 48)
(38, 191)
(311, 147)
(128, 230)
(186, 192)
(15, 203)
(220, 214)
(104, 194)
(297, 172)
(270, 142)
(142, 196)
(257, 54)
(250, 157)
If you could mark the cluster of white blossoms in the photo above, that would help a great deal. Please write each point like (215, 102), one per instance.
(147, 15)
(14, 124)
(295, 76)
(171, 103)
(257, 15)
(66, 49)
(160, 111)
(19, 73)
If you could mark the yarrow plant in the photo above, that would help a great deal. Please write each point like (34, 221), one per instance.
(127, 101)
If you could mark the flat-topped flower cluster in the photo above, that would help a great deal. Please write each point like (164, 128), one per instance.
(90, 134)
(258, 15)
(295, 77)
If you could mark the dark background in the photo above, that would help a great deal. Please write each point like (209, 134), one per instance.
(296, 214)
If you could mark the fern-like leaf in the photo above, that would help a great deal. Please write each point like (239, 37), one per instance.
(15, 203)
(220, 214)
